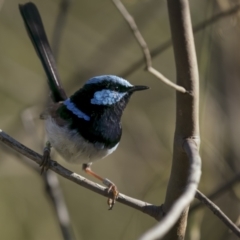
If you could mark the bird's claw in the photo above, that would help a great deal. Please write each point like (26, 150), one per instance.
(46, 158)
(112, 188)
(111, 201)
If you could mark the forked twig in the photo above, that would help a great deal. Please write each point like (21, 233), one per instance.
(142, 43)
(167, 44)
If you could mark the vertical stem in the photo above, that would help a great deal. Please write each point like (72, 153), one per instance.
(187, 125)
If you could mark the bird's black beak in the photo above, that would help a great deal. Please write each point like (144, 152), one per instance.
(137, 88)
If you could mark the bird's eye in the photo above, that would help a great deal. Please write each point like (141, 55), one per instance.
(116, 88)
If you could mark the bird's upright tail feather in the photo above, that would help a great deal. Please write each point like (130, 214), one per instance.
(36, 32)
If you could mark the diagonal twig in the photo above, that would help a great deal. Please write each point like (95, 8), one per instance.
(218, 212)
(149, 209)
(218, 192)
(143, 45)
(54, 191)
(167, 44)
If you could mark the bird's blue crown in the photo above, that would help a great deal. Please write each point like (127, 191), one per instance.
(108, 96)
(109, 78)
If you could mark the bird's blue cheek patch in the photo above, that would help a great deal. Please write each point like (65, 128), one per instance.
(106, 97)
(76, 111)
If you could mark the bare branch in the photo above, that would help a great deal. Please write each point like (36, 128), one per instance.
(55, 193)
(165, 80)
(186, 139)
(167, 44)
(186, 166)
(186, 197)
(177, 200)
(143, 45)
(133, 26)
(218, 192)
(218, 212)
(151, 210)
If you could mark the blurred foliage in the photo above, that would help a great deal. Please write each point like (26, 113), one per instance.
(96, 40)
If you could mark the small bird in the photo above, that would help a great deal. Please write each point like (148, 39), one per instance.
(86, 126)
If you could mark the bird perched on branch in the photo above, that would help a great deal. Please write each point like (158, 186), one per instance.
(86, 126)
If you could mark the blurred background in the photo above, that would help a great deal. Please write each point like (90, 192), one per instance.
(95, 40)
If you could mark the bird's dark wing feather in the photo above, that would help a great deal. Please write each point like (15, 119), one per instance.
(36, 32)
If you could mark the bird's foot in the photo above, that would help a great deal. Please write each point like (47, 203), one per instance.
(46, 158)
(112, 188)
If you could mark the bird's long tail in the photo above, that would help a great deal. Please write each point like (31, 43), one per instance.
(36, 32)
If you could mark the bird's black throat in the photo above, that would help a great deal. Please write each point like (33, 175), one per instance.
(104, 126)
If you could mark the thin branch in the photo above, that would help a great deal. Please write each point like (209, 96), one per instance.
(218, 192)
(215, 18)
(167, 44)
(186, 197)
(149, 209)
(186, 164)
(133, 26)
(165, 80)
(218, 212)
(143, 45)
(55, 193)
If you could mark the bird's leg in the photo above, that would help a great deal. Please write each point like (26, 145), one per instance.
(111, 186)
(46, 157)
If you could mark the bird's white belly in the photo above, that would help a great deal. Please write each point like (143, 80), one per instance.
(73, 147)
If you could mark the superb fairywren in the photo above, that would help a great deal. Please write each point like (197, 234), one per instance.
(86, 126)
